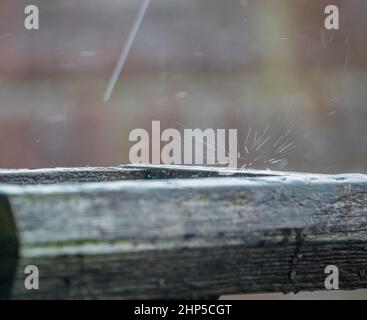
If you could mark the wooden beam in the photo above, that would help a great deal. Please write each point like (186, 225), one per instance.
(160, 233)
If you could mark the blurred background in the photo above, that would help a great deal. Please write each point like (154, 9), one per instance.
(267, 68)
(263, 67)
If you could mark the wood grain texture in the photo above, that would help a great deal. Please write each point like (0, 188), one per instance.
(173, 232)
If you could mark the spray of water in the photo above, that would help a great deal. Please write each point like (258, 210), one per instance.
(277, 148)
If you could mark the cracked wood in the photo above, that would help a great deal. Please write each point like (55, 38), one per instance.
(178, 232)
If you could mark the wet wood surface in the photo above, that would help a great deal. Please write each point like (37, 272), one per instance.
(178, 232)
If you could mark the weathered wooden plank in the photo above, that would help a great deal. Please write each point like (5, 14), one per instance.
(125, 172)
(150, 237)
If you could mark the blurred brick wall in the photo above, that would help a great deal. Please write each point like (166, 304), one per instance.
(239, 64)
